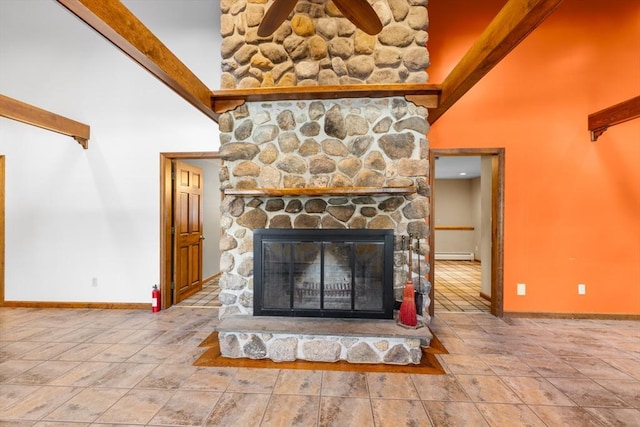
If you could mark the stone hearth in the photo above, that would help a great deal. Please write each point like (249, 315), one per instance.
(321, 340)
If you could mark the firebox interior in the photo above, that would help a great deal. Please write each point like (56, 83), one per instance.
(323, 273)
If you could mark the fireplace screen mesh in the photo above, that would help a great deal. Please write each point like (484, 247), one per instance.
(316, 273)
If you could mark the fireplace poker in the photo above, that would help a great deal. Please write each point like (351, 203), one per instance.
(419, 301)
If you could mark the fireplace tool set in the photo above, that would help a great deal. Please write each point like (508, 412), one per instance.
(412, 298)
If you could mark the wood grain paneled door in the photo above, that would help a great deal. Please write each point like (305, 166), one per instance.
(187, 229)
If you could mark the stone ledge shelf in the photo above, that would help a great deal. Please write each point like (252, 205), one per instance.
(422, 94)
(320, 191)
(321, 340)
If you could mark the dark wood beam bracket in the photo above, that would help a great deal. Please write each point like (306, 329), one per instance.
(513, 23)
(25, 113)
(602, 120)
(426, 95)
(121, 27)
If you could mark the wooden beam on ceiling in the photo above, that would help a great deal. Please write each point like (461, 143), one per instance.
(25, 113)
(121, 27)
(601, 120)
(513, 23)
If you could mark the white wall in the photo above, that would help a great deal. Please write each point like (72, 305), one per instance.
(454, 207)
(72, 214)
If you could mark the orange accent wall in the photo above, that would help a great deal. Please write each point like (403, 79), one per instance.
(572, 206)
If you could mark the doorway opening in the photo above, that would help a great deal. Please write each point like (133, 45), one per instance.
(467, 235)
(182, 233)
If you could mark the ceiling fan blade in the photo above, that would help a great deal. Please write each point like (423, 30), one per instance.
(361, 14)
(276, 15)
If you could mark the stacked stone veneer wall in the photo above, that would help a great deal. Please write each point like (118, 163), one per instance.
(318, 46)
(329, 143)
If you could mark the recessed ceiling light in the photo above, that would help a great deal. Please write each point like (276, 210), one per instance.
(463, 173)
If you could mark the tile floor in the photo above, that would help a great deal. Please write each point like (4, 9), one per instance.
(61, 367)
(457, 287)
(207, 297)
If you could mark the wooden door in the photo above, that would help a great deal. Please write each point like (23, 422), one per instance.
(187, 226)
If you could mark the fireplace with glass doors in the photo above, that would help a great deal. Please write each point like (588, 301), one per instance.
(332, 273)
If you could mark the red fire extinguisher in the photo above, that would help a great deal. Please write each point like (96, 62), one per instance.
(155, 299)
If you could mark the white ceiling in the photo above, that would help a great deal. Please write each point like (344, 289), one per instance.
(451, 167)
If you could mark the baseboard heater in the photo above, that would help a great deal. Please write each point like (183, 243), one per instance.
(454, 256)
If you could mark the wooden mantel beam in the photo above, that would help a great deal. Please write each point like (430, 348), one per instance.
(601, 120)
(25, 113)
(121, 27)
(513, 23)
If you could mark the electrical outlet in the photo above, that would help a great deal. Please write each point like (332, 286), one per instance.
(582, 289)
(521, 289)
(94, 282)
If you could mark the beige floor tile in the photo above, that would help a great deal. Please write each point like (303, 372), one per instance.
(596, 368)
(82, 352)
(239, 409)
(178, 336)
(537, 391)
(210, 379)
(152, 353)
(627, 365)
(299, 382)
(124, 375)
(482, 388)
(138, 406)
(347, 384)
(111, 336)
(22, 333)
(43, 373)
(391, 386)
(452, 414)
(586, 392)
(616, 416)
(465, 364)
(502, 414)
(48, 351)
(16, 350)
(508, 365)
(628, 391)
(117, 353)
(292, 411)
(141, 336)
(552, 367)
(439, 387)
(342, 411)
(565, 416)
(11, 394)
(392, 412)
(87, 405)
(253, 380)
(80, 334)
(167, 376)
(39, 403)
(11, 368)
(187, 408)
(85, 374)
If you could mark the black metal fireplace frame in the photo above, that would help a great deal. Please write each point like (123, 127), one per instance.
(293, 236)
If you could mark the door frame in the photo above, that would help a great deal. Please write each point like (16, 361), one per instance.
(166, 218)
(497, 220)
(2, 220)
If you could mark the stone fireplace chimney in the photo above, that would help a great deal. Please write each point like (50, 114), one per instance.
(369, 154)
